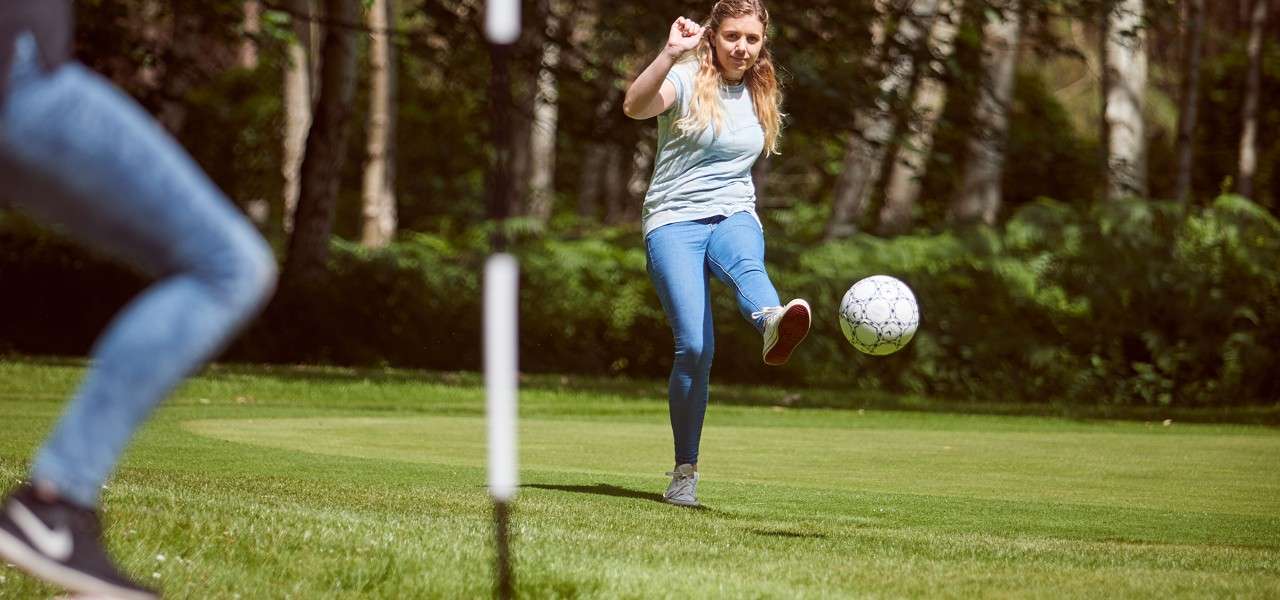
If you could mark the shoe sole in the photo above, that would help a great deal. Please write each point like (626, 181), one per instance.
(23, 557)
(791, 331)
(675, 502)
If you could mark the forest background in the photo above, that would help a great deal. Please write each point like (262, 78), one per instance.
(1082, 193)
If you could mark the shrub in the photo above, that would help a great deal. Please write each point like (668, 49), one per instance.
(1136, 304)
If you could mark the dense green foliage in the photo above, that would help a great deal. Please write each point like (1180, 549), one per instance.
(1130, 304)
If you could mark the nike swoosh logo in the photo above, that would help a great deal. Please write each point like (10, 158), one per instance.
(54, 543)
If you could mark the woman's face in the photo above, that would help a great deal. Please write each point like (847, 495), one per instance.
(738, 43)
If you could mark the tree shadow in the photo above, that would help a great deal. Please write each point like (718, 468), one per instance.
(604, 489)
(783, 533)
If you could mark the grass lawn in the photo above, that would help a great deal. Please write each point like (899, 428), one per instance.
(316, 483)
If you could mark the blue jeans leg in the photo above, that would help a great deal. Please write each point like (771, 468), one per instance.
(735, 255)
(78, 153)
(677, 266)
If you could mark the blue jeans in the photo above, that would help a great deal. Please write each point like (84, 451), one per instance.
(682, 257)
(76, 152)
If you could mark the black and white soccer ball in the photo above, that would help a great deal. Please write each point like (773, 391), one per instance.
(879, 315)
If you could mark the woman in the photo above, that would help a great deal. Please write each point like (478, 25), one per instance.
(716, 97)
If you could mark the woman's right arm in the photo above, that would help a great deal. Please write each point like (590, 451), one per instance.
(651, 94)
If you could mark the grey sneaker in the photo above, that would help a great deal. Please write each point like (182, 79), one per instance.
(784, 328)
(683, 490)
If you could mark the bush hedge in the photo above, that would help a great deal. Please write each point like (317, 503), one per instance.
(1137, 304)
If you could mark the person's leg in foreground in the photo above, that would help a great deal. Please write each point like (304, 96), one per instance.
(76, 152)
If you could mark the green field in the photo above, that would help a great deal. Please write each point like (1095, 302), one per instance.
(315, 483)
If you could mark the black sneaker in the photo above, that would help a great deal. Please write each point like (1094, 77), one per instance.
(61, 544)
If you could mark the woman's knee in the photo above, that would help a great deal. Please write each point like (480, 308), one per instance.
(256, 271)
(694, 355)
(243, 270)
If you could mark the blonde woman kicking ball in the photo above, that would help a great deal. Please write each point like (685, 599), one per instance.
(715, 93)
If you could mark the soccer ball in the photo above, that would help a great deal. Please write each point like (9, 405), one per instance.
(879, 315)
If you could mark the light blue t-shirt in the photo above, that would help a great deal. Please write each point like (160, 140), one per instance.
(707, 175)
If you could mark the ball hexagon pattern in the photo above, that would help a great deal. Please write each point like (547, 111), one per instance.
(879, 315)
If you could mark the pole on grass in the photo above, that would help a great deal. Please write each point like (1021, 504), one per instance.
(501, 276)
(500, 318)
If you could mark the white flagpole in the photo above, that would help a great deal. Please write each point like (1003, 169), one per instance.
(501, 279)
(500, 368)
(502, 21)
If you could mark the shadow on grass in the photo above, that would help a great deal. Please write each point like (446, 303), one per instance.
(599, 489)
(782, 533)
(604, 489)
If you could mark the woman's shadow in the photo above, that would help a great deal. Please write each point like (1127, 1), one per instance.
(604, 489)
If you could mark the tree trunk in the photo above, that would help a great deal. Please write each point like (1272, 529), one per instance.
(379, 198)
(298, 96)
(521, 148)
(874, 125)
(258, 209)
(1124, 89)
(907, 173)
(615, 185)
(980, 191)
(594, 158)
(582, 25)
(172, 36)
(326, 148)
(542, 139)
(1189, 98)
(252, 27)
(642, 155)
(524, 82)
(1249, 114)
(857, 149)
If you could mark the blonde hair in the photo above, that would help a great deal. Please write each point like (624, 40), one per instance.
(705, 107)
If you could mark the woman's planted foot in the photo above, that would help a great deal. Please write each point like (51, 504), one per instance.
(683, 489)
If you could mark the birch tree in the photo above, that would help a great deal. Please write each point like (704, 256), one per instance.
(980, 197)
(1124, 85)
(546, 113)
(378, 214)
(907, 172)
(298, 97)
(642, 155)
(1248, 165)
(252, 27)
(874, 124)
(326, 147)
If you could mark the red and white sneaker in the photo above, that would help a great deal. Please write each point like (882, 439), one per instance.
(784, 328)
